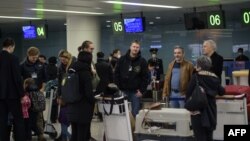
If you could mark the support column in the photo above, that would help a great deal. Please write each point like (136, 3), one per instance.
(81, 28)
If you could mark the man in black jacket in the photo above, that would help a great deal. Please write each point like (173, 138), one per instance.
(11, 92)
(131, 75)
(32, 68)
(209, 49)
(104, 71)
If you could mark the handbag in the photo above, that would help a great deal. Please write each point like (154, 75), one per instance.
(112, 96)
(95, 81)
(198, 99)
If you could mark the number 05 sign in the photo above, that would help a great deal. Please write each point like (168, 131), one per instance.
(117, 26)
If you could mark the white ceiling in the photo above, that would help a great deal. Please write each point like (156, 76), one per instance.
(21, 7)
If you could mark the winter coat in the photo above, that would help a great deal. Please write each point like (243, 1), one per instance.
(131, 74)
(217, 64)
(51, 72)
(28, 68)
(10, 78)
(212, 88)
(104, 72)
(82, 111)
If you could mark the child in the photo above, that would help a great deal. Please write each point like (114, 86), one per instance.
(26, 104)
(33, 122)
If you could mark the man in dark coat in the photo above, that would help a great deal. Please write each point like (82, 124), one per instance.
(157, 63)
(209, 49)
(80, 113)
(32, 68)
(104, 72)
(131, 75)
(11, 92)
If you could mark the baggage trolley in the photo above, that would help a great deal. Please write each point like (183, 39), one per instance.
(116, 123)
(52, 129)
(231, 110)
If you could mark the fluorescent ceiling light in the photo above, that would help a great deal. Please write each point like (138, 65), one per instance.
(141, 4)
(21, 18)
(65, 11)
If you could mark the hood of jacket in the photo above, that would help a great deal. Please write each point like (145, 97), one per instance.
(83, 62)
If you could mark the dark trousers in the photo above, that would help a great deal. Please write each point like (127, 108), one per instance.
(79, 132)
(14, 107)
(27, 129)
(36, 122)
(200, 133)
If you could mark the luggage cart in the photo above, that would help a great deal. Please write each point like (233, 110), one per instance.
(52, 129)
(116, 123)
(231, 109)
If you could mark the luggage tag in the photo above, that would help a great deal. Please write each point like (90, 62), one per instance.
(34, 75)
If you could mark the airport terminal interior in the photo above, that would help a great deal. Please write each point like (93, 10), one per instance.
(58, 28)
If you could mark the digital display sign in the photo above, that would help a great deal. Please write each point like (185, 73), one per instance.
(134, 25)
(216, 20)
(117, 26)
(245, 17)
(29, 32)
(34, 32)
(41, 31)
(195, 20)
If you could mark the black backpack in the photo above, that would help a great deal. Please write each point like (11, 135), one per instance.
(70, 90)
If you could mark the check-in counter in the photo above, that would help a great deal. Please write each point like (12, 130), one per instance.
(240, 77)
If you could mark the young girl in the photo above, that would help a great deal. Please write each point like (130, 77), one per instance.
(26, 104)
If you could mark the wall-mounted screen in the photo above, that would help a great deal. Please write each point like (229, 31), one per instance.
(134, 25)
(196, 20)
(29, 32)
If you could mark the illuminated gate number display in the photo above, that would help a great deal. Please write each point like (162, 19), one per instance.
(215, 19)
(245, 15)
(117, 26)
(41, 31)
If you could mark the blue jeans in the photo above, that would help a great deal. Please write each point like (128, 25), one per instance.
(135, 101)
(64, 133)
(176, 100)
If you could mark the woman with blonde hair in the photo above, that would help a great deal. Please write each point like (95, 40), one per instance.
(66, 61)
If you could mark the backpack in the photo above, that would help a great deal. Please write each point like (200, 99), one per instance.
(70, 90)
(38, 103)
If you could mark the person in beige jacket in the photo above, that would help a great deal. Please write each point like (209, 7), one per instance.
(178, 75)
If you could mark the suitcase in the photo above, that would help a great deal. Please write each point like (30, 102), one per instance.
(167, 124)
(238, 90)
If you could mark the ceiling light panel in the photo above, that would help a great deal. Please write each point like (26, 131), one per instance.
(21, 18)
(66, 11)
(142, 4)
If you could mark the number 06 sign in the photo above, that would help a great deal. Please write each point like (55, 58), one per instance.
(216, 19)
